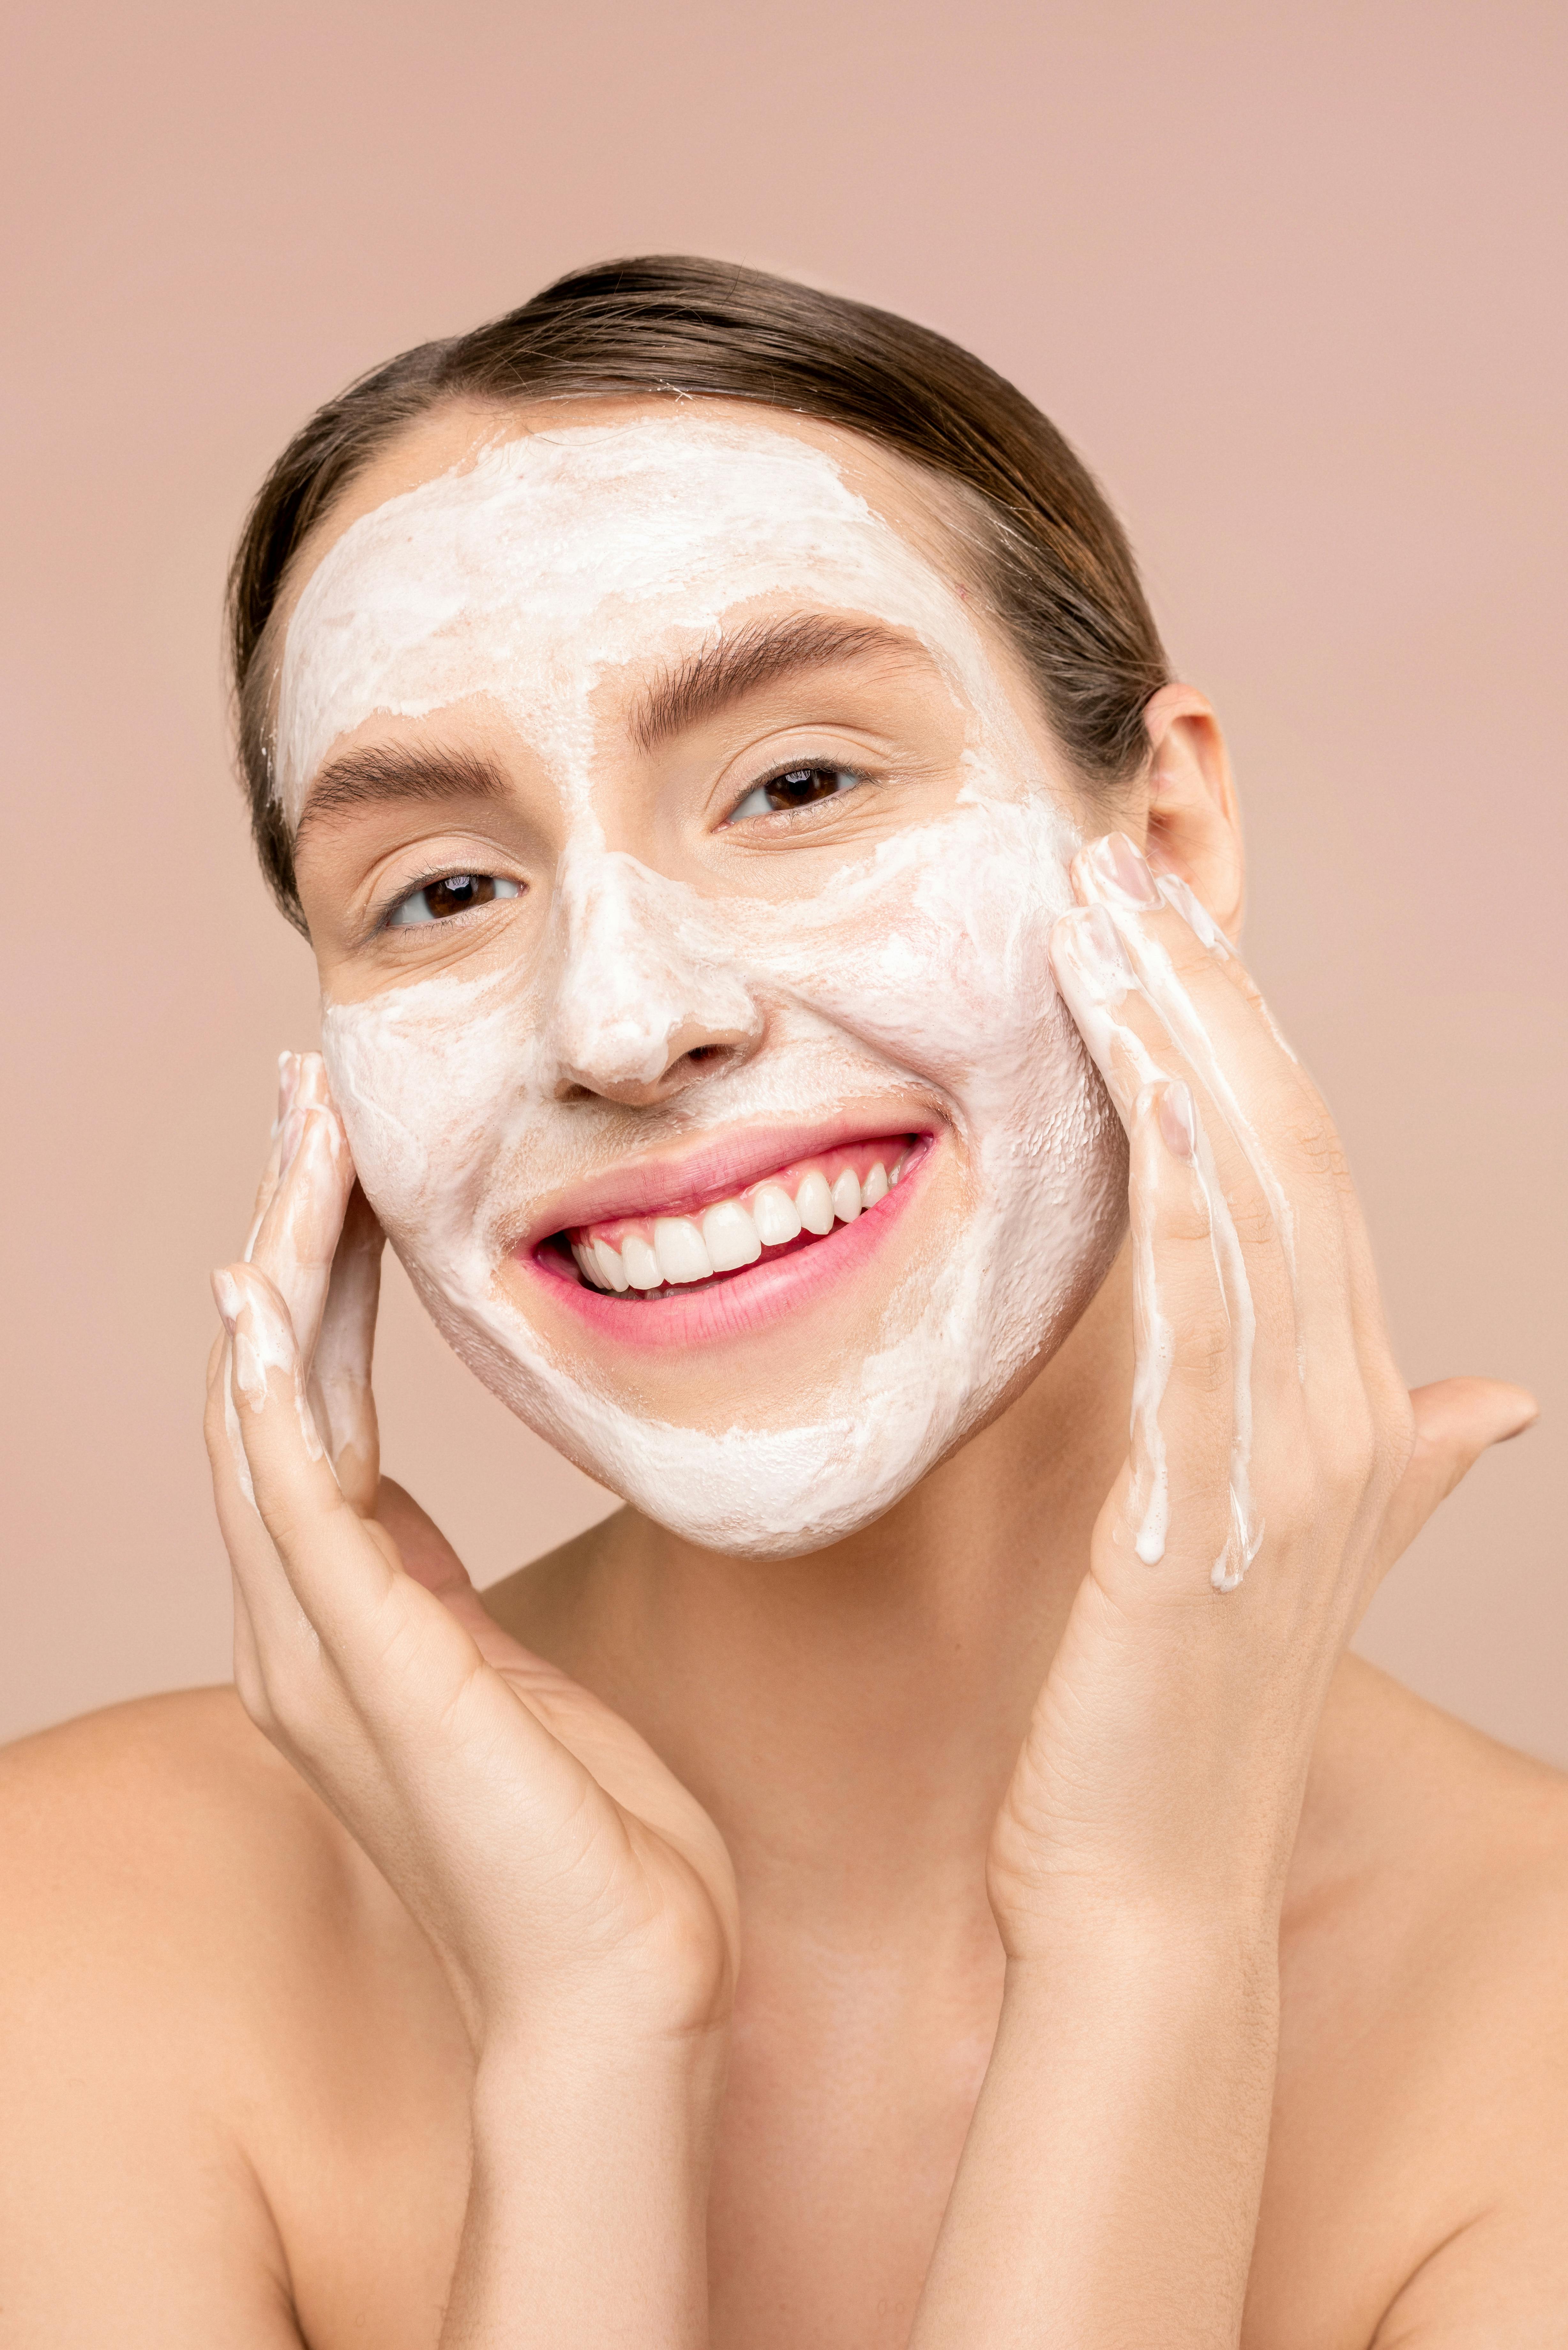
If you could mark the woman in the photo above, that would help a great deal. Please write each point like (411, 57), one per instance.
(925, 1871)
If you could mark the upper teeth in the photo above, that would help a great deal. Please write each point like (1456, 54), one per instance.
(733, 1233)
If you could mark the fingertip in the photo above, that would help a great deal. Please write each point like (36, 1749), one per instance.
(249, 1301)
(1085, 941)
(1183, 900)
(1523, 1415)
(1503, 1409)
(321, 1122)
(315, 1093)
(1471, 1415)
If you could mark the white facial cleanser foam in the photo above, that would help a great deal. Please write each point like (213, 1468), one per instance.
(555, 560)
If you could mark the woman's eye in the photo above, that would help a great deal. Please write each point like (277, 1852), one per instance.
(797, 788)
(454, 893)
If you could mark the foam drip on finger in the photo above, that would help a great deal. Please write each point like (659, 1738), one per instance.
(1103, 982)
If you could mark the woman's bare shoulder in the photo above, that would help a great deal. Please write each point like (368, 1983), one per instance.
(153, 1802)
(1424, 2057)
(1432, 1812)
(1441, 1857)
(160, 1853)
(201, 1977)
(172, 1883)
(139, 1848)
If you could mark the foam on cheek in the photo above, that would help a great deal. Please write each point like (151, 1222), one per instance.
(922, 966)
(927, 966)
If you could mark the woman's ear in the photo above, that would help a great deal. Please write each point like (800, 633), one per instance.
(1193, 827)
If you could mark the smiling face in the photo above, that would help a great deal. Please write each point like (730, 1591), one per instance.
(680, 846)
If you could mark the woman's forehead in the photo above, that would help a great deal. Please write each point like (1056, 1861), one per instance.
(449, 441)
(523, 564)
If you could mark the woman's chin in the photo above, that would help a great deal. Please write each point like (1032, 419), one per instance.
(788, 1404)
(767, 1445)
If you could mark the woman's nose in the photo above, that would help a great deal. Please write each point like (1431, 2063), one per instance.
(643, 1005)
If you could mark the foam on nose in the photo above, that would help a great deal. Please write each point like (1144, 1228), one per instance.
(640, 970)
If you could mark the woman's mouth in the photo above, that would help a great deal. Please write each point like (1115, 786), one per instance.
(649, 1256)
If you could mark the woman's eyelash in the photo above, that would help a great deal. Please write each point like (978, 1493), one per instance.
(443, 896)
(803, 783)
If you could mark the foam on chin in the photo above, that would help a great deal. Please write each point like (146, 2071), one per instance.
(923, 964)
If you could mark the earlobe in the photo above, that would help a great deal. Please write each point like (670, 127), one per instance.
(1193, 824)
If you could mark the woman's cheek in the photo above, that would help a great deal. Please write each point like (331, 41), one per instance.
(941, 961)
(929, 967)
(422, 1078)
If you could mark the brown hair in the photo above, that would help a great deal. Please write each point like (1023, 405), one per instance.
(1056, 564)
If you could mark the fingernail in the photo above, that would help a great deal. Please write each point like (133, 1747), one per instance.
(1097, 950)
(226, 1291)
(1175, 1120)
(1122, 871)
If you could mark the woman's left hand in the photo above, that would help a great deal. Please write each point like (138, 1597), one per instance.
(1109, 2186)
(1277, 1468)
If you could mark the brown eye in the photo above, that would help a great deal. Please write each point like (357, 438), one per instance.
(454, 893)
(797, 788)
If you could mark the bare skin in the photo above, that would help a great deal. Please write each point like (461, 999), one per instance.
(239, 2085)
(955, 1938)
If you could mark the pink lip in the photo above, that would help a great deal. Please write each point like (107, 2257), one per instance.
(674, 1182)
(739, 1303)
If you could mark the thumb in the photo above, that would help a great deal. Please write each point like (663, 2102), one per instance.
(1456, 1421)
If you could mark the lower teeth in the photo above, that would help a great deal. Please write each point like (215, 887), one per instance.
(687, 1288)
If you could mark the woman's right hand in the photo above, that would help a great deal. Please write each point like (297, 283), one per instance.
(563, 1875)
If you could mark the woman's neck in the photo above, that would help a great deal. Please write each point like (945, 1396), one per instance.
(850, 1720)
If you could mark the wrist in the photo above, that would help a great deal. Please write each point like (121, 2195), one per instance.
(1230, 1903)
(1163, 1944)
(629, 2013)
(588, 2057)
(591, 2149)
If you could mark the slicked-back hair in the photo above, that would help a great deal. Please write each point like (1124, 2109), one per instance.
(1054, 561)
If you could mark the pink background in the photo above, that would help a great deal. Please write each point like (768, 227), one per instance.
(1291, 277)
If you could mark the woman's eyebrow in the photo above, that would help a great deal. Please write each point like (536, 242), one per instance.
(694, 689)
(758, 655)
(380, 773)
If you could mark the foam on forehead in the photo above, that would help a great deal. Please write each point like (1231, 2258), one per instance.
(557, 556)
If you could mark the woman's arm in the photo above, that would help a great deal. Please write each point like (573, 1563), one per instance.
(581, 1904)
(587, 2206)
(1110, 2188)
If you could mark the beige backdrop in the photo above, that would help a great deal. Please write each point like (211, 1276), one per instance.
(1291, 275)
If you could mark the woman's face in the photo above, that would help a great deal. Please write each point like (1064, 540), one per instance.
(680, 843)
